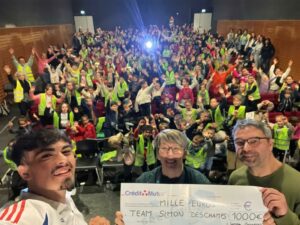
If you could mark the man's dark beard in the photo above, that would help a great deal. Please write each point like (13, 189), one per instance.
(68, 184)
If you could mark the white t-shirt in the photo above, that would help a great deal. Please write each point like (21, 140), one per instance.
(37, 210)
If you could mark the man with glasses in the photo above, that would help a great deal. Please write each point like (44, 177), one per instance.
(171, 146)
(253, 142)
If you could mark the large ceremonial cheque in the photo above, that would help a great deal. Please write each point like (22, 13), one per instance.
(182, 204)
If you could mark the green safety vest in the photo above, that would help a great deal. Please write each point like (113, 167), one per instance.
(241, 112)
(223, 51)
(84, 53)
(166, 53)
(90, 41)
(170, 78)
(100, 123)
(194, 113)
(165, 66)
(281, 138)
(19, 92)
(113, 97)
(77, 95)
(89, 76)
(56, 119)
(122, 88)
(197, 160)
(108, 156)
(139, 153)
(42, 105)
(205, 97)
(8, 161)
(218, 117)
(256, 94)
(26, 70)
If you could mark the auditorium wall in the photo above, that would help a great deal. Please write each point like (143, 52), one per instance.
(35, 12)
(136, 13)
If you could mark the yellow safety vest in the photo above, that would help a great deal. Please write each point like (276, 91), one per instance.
(256, 94)
(241, 112)
(19, 92)
(197, 160)
(139, 156)
(281, 138)
(42, 105)
(26, 70)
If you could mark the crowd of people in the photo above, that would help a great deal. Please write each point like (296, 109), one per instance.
(180, 99)
(199, 83)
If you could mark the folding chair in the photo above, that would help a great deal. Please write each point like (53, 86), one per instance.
(89, 157)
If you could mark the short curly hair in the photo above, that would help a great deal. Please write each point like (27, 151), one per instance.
(36, 140)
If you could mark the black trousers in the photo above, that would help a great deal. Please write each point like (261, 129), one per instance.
(279, 154)
(24, 107)
(145, 109)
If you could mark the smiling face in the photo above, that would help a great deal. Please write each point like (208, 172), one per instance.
(49, 169)
(258, 153)
(171, 157)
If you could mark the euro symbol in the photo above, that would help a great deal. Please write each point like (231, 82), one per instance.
(247, 205)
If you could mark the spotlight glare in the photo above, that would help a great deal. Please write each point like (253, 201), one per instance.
(82, 12)
(149, 44)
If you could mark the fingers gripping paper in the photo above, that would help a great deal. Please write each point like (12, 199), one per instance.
(180, 204)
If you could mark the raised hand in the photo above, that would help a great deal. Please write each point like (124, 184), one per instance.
(7, 69)
(11, 51)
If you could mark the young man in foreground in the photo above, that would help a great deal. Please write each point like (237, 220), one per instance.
(46, 161)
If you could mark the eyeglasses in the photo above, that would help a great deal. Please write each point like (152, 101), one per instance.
(175, 150)
(253, 141)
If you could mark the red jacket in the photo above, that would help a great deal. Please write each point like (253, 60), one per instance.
(186, 93)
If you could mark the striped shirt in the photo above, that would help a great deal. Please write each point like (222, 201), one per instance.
(37, 210)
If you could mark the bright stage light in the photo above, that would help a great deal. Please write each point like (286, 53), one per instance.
(149, 44)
